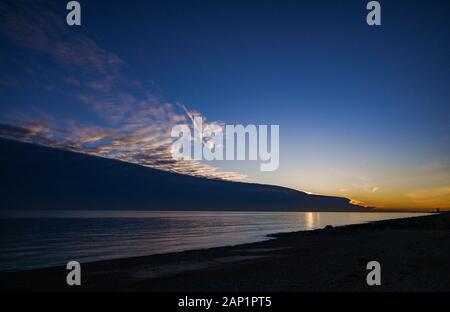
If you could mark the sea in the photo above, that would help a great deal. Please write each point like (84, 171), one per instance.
(40, 239)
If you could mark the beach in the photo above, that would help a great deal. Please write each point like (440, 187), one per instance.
(414, 254)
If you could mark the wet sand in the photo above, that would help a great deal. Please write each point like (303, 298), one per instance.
(414, 254)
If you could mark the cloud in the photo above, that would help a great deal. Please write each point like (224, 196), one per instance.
(135, 122)
(370, 188)
(356, 182)
(358, 203)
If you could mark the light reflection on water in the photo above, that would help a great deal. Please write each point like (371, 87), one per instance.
(43, 239)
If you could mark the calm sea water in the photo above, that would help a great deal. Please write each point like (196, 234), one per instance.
(45, 239)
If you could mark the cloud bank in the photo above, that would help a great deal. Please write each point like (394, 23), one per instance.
(134, 123)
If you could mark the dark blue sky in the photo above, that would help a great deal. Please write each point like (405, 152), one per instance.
(363, 111)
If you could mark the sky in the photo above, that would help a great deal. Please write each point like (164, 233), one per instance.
(363, 111)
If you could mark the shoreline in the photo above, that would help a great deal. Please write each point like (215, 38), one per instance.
(112, 214)
(65, 214)
(330, 259)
